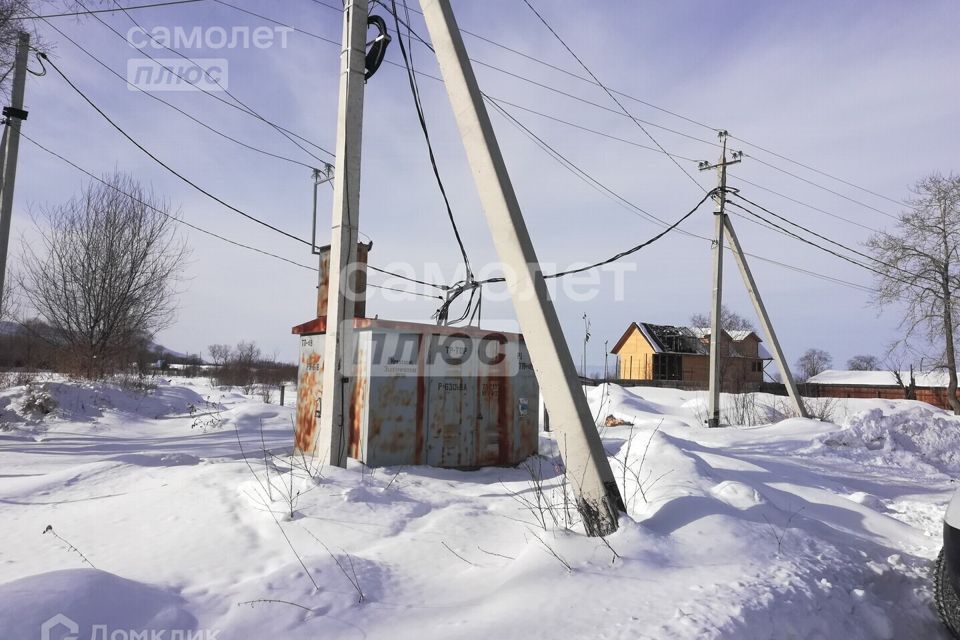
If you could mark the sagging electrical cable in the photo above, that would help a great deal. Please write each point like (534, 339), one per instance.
(415, 91)
(444, 310)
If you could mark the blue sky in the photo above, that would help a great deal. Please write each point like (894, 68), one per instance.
(864, 91)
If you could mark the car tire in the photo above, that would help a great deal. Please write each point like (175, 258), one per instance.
(948, 602)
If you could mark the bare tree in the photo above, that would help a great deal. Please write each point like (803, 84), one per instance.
(920, 270)
(731, 375)
(729, 320)
(246, 354)
(812, 362)
(17, 16)
(103, 274)
(863, 363)
(220, 353)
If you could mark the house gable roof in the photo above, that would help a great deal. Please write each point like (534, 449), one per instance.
(623, 339)
(664, 338)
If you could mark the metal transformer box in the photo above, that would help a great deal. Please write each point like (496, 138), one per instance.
(422, 394)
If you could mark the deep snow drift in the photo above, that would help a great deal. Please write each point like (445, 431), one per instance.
(787, 528)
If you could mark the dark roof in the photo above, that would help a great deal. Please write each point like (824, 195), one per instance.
(670, 339)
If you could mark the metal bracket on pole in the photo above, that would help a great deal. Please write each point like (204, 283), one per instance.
(598, 498)
(320, 176)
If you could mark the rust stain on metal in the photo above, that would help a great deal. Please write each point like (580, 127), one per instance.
(405, 409)
(356, 410)
(323, 288)
(308, 400)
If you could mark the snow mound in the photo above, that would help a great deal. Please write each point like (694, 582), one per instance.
(57, 399)
(89, 597)
(902, 436)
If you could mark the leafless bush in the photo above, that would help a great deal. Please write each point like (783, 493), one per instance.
(741, 409)
(643, 480)
(103, 274)
(780, 534)
(346, 565)
(265, 392)
(553, 552)
(17, 379)
(206, 417)
(137, 383)
(826, 409)
(244, 366)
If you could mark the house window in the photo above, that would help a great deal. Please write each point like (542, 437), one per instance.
(667, 366)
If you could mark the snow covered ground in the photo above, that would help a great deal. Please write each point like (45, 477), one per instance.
(788, 528)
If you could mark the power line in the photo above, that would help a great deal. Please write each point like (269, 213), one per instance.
(820, 171)
(548, 65)
(165, 165)
(633, 250)
(281, 24)
(633, 208)
(415, 92)
(173, 106)
(493, 67)
(245, 107)
(830, 251)
(161, 211)
(589, 130)
(130, 8)
(630, 97)
(194, 184)
(608, 92)
(820, 186)
(239, 105)
(822, 276)
(212, 234)
(803, 204)
(841, 245)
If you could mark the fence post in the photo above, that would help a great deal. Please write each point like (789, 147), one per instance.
(282, 388)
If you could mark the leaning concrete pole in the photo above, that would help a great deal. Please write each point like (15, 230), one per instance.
(598, 497)
(761, 310)
(332, 437)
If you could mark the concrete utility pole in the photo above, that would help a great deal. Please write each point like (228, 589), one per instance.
(764, 319)
(332, 435)
(11, 136)
(598, 498)
(713, 404)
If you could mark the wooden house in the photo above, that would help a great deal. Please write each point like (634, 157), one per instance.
(665, 353)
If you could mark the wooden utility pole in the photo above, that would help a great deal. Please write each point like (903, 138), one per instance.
(713, 402)
(598, 498)
(332, 435)
(13, 115)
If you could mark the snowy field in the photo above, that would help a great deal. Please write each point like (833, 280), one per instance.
(787, 528)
